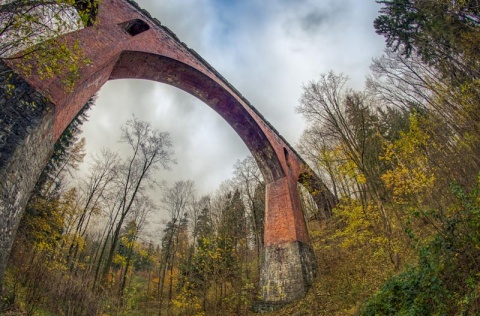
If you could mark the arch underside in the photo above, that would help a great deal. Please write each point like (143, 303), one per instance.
(141, 65)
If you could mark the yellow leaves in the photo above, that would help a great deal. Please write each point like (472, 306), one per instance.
(363, 226)
(10, 88)
(338, 162)
(187, 301)
(468, 141)
(120, 260)
(406, 182)
(80, 242)
(358, 222)
(43, 246)
(34, 25)
(411, 176)
(43, 222)
(348, 168)
(53, 58)
(361, 178)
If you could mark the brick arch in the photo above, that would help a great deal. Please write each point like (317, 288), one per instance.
(322, 196)
(141, 65)
(129, 43)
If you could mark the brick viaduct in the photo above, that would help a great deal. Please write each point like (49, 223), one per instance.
(128, 43)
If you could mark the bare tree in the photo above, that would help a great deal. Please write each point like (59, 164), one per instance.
(348, 119)
(102, 174)
(249, 179)
(142, 208)
(151, 149)
(177, 199)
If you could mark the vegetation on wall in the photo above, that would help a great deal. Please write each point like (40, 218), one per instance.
(31, 30)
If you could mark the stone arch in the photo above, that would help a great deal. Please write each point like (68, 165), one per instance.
(128, 43)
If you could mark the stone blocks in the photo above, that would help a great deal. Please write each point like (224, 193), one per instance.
(287, 273)
(26, 144)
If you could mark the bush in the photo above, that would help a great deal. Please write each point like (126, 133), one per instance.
(446, 279)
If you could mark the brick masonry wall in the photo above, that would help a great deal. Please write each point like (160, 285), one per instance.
(26, 144)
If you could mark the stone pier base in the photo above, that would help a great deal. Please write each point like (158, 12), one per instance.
(26, 144)
(287, 273)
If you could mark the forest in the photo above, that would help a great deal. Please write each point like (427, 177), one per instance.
(402, 156)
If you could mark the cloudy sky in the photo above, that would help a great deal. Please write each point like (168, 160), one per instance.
(266, 48)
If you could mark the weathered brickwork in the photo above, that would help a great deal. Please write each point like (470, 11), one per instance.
(151, 51)
(26, 143)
